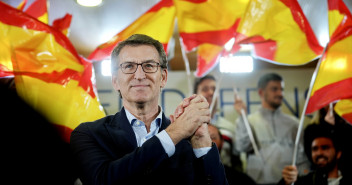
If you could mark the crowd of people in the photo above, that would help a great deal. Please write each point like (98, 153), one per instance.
(141, 145)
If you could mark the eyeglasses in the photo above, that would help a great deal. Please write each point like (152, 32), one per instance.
(131, 67)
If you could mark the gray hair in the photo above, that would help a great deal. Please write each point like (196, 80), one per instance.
(137, 40)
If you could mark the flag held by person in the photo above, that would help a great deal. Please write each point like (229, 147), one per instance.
(49, 74)
(206, 26)
(158, 22)
(39, 10)
(334, 78)
(279, 32)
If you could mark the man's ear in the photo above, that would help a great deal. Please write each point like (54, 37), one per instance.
(260, 92)
(115, 83)
(164, 74)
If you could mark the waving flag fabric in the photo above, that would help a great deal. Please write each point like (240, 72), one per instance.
(338, 14)
(279, 31)
(158, 22)
(207, 57)
(38, 9)
(63, 24)
(334, 78)
(207, 26)
(49, 74)
(344, 109)
(206, 21)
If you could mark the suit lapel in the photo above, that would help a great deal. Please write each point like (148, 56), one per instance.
(164, 123)
(121, 131)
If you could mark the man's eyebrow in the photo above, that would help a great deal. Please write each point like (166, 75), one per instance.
(150, 60)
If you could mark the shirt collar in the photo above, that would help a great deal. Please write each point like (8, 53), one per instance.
(131, 118)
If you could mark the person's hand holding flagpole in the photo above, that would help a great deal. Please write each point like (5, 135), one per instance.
(240, 108)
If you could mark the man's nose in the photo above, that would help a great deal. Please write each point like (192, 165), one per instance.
(211, 92)
(139, 74)
(319, 152)
(279, 92)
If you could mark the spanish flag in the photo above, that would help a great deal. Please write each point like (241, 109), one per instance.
(208, 21)
(38, 9)
(208, 56)
(63, 24)
(158, 22)
(344, 109)
(334, 77)
(49, 74)
(279, 32)
(206, 26)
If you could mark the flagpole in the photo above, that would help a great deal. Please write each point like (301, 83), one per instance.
(215, 95)
(185, 59)
(300, 126)
(249, 130)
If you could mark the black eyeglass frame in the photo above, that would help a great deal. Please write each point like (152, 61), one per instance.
(141, 64)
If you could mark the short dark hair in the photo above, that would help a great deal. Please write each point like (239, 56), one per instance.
(200, 80)
(137, 40)
(265, 79)
(314, 131)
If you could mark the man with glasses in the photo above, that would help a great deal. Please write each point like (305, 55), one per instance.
(139, 145)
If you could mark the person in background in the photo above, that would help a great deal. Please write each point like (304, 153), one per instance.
(274, 133)
(327, 117)
(323, 149)
(139, 145)
(233, 175)
(206, 86)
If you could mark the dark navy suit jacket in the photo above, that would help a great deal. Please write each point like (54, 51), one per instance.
(106, 152)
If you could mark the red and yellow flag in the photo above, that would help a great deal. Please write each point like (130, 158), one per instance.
(38, 9)
(334, 78)
(207, 26)
(49, 74)
(208, 22)
(63, 24)
(208, 56)
(344, 109)
(338, 12)
(279, 32)
(158, 22)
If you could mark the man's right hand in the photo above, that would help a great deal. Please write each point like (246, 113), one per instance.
(289, 174)
(239, 104)
(193, 116)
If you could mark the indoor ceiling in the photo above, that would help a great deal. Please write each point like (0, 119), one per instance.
(92, 26)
